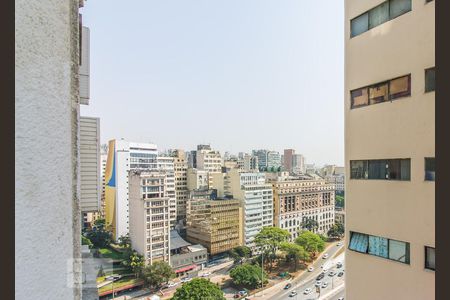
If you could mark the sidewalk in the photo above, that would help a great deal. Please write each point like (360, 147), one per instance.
(333, 292)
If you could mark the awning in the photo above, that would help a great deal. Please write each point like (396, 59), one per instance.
(186, 268)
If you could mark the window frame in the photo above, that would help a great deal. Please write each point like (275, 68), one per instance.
(426, 265)
(425, 169)
(387, 162)
(425, 80)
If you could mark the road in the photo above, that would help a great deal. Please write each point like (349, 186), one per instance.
(308, 279)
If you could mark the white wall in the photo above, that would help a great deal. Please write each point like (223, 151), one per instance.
(47, 214)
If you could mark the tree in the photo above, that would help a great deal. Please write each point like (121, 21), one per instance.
(248, 275)
(240, 253)
(100, 223)
(336, 231)
(134, 261)
(294, 253)
(99, 237)
(157, 273)
(86, 241)
(269, 239)
(198, 289)
(310, 224)
(124, 241)
(311, 242)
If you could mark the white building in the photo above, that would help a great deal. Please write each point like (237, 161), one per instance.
(298, 164)
(124, 156)
(208, 160)
(150, 215)
(166, 163)
(256, 200)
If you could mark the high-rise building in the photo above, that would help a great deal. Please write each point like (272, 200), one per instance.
(390, 149)
(208, 159)
(213, 222)
(181, 190)
(296, 200)
(149, 206)
(124, 156)
(166, 164)
(250, 163)
(288, 158)
(298, 164)
(262, 158)
(256, 200)
(273, 160)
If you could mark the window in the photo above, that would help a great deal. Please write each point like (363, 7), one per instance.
(359, 242)
(381, 92)
(430, 262)
(399, 251)
(430, 173)
(387, 169)
(378, 15)
(429, 80)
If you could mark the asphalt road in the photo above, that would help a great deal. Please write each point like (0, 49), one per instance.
(308, 279)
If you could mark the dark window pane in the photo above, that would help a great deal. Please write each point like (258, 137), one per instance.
(378, 93)
(360, 97)
(430, 260)
(400, 87)
(377, 169)
(399, 7)
(429, 80)
(359, 24)
(430, 172)
(405, 165)
(399, 251)
(359, 242)
(358, 169)
(379, 15)
(394, 170)
(378, 246)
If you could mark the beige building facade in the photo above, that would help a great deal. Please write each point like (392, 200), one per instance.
(390, 149)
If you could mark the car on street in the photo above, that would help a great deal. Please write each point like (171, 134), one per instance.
(321, 275)
(318, 283)
(339, 265)
(325, 256)
(340, 274)
(324, 285)
(341, 298)
(287, 286)
(338, 244)
(186, 279)
(307, 291)
(172, 284)
(332, 273)
(293, 293)
(310, 269)
(242, 293)
(206, 274)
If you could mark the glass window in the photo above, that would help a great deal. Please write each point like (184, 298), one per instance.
(359, 24)
(377, 169)
(429, 80)
(358, 169)
(379, 15)
(378, 246)
(378, 93)
(430, 254)
(400, 87)
(359, 242)
(405, 169)
(399, 251)
(398, 7)
(430, 169)
(360, 97)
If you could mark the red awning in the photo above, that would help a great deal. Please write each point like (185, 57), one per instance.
(185, 268)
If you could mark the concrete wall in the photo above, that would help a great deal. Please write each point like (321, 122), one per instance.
(47, 213)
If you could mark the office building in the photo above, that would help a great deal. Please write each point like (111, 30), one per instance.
(186, 259)
(214, 222)
(208, 159)
(149, 205)
(298, 164)
(296, 200)
(390, 149)
(181, 190)
(250, 163)
(288, 159)
(166, 164)
(124, 156)
(273, 161)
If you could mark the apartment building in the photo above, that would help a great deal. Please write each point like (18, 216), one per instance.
(149, 206)
(208, 159)
(250, 163)
(262, 158)
(124, 156)
(296, 200)
(338, 181)
(298, 164)
(273, 160)
(256, 200)
(181, 190)
(197, 179)
(214, 222)
(166, 164)
(390, 149)
(288, 159)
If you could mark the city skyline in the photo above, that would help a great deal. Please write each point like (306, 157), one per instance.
(176, 99)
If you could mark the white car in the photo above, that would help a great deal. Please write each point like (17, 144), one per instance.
(310, 269)
(206, 274)
(318, 283)
(186, 279)
(307, 291)
(325, 270)
(324, 285)
(172, 284)
(325, 256)
(338, 244)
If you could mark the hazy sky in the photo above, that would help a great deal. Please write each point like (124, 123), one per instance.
(239, 74)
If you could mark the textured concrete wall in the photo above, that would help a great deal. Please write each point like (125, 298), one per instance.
(47, 216)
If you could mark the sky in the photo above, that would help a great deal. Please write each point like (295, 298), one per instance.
(236, 74)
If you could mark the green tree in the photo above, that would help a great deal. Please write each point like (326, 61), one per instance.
(99, 237)
(311, 242)
(134, 261)
(310, 224)
(248, 275)
(294, 253)
(198, 289)
(336, 231)
(100, 223)
(269, 239)
(157, 273)
(340, 201)
(86, 241)
(124, 241)
(240, 253)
